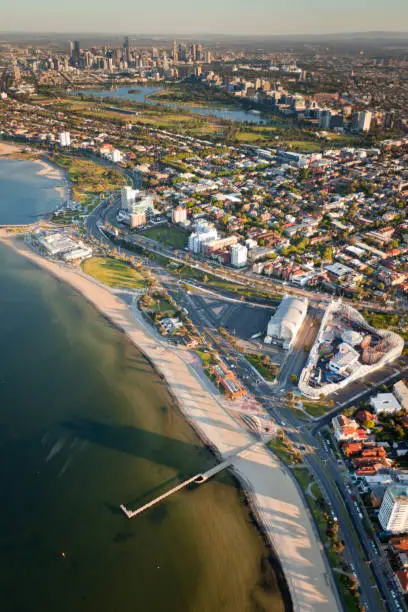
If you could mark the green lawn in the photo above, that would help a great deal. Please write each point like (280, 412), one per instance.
(315, 409)
(303, 476)
(169, 235)
(283, 452)
(268, 371)
(205, 357)
(113, 272)
(163, 306)
(88, 178)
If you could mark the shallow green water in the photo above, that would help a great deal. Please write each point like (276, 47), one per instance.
(85, 425)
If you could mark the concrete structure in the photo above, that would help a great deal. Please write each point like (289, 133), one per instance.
(239, 255)
(57, 244)
(287, 320)
(135, 201)
(385, 403)
(378, 348)
(393, 515)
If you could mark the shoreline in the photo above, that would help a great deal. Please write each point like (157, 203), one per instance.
(284, 521)
(10, 150)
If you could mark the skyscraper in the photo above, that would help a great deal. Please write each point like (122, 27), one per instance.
(175, 54)
(126, 47)
(364, 121)
(77, 49)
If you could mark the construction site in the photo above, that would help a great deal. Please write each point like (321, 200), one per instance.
(346, 349)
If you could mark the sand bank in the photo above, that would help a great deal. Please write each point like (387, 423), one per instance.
(273, 494)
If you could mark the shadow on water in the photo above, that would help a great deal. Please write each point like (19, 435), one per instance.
(142, 444)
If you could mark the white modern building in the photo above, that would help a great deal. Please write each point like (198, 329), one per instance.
(385, 403)
(345, 359)
(287, 320)
(64, 139)
(239, 255)
(393, 515)
(204, 232)
(127, 195)
(58, 244)
(135, 201)
(116, 156)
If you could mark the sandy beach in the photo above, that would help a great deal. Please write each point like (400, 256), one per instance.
(57, 174)
(272, 492)
(9, 149)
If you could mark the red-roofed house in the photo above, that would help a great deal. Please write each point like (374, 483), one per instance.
(402, 580)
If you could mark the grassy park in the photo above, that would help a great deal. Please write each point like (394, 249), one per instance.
(169, 235)
(113, 273)
(88, 178)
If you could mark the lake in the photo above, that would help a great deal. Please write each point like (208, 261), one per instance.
(144, 91)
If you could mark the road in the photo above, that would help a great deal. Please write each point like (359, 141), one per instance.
(241, 278)
(369, 567)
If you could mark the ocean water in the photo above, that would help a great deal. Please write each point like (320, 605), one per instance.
(24, 194)
(86, 424)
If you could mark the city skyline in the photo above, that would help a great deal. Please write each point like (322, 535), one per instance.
(234, 18)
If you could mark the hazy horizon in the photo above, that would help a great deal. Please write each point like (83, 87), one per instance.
(231, 17)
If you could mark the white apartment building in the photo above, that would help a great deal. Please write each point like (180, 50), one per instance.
(64, 139)
(393, 515)
(205, 232)
(239, 255)
(127, 195)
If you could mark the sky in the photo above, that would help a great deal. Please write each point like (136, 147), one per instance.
(206, 16)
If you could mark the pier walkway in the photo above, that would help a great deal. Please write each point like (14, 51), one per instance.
(197, 479)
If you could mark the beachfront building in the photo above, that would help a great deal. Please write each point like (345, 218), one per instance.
(56, 244)
(287, 321)
(393, 515)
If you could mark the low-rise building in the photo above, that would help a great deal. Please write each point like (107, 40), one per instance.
(347, 429)
(385, 403)
(286, 322)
